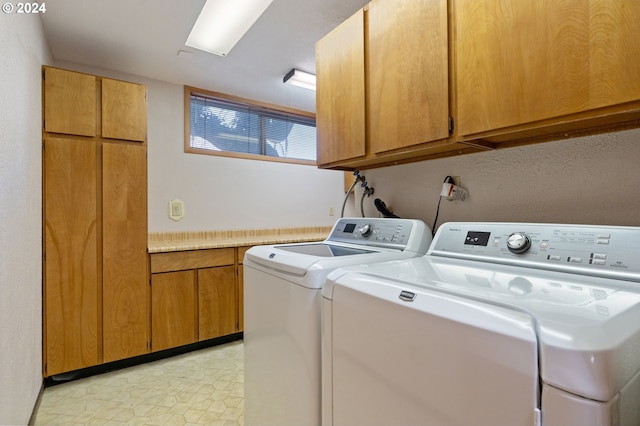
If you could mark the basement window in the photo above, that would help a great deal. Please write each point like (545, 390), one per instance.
(217, 124)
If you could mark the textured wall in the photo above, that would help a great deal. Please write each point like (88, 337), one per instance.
(218, 192)
(590, 180)
(24, 50)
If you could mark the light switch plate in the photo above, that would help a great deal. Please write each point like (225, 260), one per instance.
(176, 209)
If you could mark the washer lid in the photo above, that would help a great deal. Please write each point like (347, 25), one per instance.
(323, 250)
(283, 261)
(588, 328)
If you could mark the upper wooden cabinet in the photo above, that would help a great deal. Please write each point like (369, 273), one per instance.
(408, 73)
(69, 102)
(71, 106)
(382, 86)
(124, 110)
(541, 65)
(340, 92)
(507, 72)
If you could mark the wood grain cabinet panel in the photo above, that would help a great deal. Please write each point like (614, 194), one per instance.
(217, 302)
(125, 281)
(69, 102)
(383, 86)
(70, 271)
(521, 62)
(408, 73)
(340, 92)
(124, 110)
(173, 309)
(96, 287)
(191, 259)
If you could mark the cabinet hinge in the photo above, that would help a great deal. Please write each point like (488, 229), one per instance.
(450, 124)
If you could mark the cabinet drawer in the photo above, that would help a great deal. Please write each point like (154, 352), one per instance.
(191, 259)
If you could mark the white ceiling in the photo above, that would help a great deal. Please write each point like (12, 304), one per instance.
(146, 37)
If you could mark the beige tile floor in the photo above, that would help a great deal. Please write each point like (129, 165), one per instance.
(200, 387)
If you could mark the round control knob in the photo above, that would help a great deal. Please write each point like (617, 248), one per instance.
(518, 242)
(366, 230)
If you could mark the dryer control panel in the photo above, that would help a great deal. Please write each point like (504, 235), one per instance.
(401, 234)
(608, 251)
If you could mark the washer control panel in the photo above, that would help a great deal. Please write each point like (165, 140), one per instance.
(591, 250)
(380, 232)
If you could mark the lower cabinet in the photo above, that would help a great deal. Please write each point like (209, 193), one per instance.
(217, 302)
(195, 295)
(174, 320)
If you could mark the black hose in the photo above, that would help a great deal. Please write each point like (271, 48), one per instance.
(382, 208)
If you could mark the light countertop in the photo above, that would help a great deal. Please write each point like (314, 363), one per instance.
(161, 242)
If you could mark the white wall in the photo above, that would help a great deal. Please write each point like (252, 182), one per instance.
(223, 193)
(590, 180)
(24, 50)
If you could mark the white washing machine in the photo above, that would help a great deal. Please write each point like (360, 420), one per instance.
(501, 324)
(282, 292)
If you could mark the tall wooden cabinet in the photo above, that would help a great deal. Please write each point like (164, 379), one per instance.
(96, 289)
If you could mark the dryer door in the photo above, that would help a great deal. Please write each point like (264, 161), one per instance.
(409, 355)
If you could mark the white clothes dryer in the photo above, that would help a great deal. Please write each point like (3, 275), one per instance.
(282, 292)
(500, 324)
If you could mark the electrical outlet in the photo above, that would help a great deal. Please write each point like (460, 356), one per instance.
(331, 211)
(456, 180)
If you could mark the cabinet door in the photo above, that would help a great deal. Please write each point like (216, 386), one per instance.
(71, 253)
(69, 102)
(173, 309)
(217, 302)
(408, 73)
(523, 61)
(340, 94)
(125, 282)
(124, 110)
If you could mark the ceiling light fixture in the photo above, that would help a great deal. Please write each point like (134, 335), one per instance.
(300, 79)
(222, 23)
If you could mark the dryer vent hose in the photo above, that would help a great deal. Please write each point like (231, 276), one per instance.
(382, 208)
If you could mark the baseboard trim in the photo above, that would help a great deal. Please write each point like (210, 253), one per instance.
(129, 362)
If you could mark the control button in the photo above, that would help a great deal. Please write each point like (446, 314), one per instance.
(554, 257)
(604, 236)
(518, 242)
(598, 262)
(599, 256)
(574, 260)
(544, 245)
(601, 241)
(496, 241)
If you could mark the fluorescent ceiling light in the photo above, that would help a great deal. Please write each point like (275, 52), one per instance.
(222, 23)
(300, 79)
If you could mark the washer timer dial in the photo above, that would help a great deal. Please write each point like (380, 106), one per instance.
(366, 230)
(518, 242)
